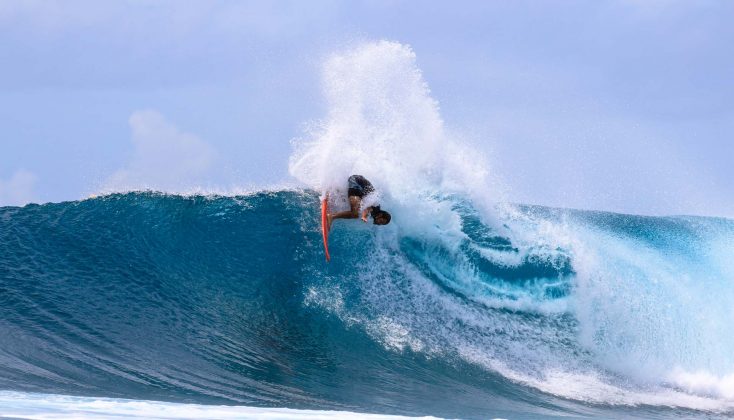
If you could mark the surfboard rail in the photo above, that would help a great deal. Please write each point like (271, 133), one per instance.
(325, 224)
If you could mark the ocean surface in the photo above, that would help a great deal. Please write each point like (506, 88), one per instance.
(160, 305)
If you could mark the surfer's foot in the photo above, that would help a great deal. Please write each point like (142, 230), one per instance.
(329, 218)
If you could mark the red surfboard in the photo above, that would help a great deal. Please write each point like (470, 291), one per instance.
(325, 224)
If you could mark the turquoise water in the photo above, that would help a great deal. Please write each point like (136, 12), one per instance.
(228, 301)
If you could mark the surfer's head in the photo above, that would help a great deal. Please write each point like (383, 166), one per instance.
(381, 217)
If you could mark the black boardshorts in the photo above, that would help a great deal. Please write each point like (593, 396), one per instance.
(359, 186)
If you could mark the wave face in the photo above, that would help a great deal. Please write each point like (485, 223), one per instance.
(228, 300)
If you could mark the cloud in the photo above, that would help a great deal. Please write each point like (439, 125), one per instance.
(164, 158)
(19, 189)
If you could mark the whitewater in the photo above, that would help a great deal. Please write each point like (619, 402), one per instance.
(162, 304)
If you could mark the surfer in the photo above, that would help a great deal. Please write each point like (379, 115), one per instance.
(361, 189)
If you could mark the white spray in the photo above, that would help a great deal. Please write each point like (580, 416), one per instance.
(383, 124)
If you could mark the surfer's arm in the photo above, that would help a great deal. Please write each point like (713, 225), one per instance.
(352, 213)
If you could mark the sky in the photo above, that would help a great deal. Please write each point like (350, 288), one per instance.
(611, 105)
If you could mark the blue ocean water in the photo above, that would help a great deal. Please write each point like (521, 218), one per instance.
(215, 300)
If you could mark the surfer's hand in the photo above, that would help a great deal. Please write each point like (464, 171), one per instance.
(364, 214)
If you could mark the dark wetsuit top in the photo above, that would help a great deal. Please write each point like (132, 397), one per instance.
(359, 186)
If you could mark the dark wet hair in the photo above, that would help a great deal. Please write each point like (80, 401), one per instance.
(380, 214)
